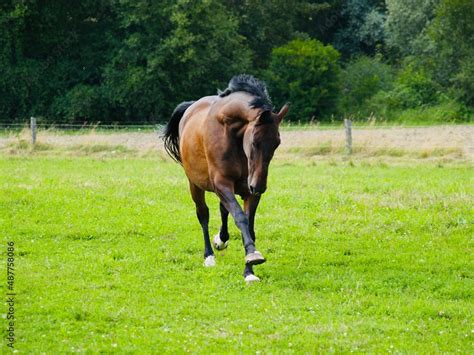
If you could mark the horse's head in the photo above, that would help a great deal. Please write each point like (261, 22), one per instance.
(261, 139)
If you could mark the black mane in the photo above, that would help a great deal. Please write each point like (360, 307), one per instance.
(251, 85)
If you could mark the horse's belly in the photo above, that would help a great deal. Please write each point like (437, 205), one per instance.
(198, 177)
(195, 166)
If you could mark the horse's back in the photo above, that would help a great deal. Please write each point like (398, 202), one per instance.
(196, 112)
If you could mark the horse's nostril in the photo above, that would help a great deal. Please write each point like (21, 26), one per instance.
(252, 189)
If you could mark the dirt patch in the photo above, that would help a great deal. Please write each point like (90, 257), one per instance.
(406, 139)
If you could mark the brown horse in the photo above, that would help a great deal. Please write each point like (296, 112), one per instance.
(225, 144)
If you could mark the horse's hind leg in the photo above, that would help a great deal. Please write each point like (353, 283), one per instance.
(221, 239)
(203, 216)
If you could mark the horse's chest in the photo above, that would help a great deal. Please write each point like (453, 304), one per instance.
(234, 165)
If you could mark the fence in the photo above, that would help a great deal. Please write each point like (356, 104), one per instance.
(398, 137)
(34, 127)
(79, 127)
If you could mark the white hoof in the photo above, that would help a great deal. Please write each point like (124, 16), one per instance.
(251, 278)
(210, 261)
(218, 243)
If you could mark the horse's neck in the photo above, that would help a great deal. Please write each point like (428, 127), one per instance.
(235, 115)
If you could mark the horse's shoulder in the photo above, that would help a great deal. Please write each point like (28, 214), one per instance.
(234, 107)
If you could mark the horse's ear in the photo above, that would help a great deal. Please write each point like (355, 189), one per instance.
(282, 113)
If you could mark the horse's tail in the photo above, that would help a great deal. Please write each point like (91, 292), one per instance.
(171, 131)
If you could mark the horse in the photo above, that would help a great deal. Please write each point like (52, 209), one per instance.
(225, 143)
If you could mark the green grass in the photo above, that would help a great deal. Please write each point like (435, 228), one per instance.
(361, 257)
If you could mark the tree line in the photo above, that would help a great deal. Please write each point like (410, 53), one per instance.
(124, 61)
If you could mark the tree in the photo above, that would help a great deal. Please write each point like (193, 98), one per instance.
(362, 26)
(405, 27)
(361, 79)
(305, 73)
(46, 49)
(452, 32)
(269, 24)
(181, 51)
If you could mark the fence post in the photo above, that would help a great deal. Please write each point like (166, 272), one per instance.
(33, 130)
(348, 129)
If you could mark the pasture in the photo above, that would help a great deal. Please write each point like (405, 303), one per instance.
(368, 254)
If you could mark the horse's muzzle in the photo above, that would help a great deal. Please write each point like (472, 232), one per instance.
(256, 191)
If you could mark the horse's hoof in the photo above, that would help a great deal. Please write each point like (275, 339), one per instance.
(210, 261)
(254, 258)
(251, 278)
(218, 243)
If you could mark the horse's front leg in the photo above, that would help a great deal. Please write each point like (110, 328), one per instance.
(250, 207)
(225, 190)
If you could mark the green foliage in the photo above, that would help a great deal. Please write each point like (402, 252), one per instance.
(386, 105)
(262, 25)
(414, 88)
(447, 111)
(361, 79)
(412, 96)
(463, 80)
(305, 73)
(83, 102)
(198, 51)
(133, 61)
(269, 24)
(452, 32)
(406, 24)
(48, 48)
(362, 29)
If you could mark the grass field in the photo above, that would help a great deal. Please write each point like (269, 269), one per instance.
(363, 255)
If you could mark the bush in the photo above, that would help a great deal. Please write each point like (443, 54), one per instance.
(448, 111)
(362, 78)
(81, 103)
(464, 82)
(386, 105)
(412, 88)
(452, 32)
(305, 73)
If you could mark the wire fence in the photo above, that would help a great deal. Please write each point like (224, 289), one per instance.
(33, 126)
(82, 127)
(335, 137)
(149, 127)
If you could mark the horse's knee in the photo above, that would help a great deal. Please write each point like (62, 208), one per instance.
(241, 219)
